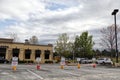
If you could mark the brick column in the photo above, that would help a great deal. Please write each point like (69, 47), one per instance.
(22, 54)
(42, 56)
(8, 54)
(51, 55)
(32, 56)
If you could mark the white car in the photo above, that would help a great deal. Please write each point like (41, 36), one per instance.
(104, 61)
(85, 60)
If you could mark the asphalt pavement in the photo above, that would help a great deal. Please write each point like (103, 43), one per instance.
(54, 72)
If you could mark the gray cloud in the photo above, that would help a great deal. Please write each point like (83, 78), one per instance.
(33, 18)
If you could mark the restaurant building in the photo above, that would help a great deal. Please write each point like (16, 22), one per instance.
(25, 51)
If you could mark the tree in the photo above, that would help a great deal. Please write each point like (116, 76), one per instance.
(33, 40)
(63, 45)
(14, 37)
(97, 53)
(108, 37)
(83, 45)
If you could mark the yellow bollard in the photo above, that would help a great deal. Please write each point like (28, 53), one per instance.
(14, 68)
(62, 67)
(78, 65)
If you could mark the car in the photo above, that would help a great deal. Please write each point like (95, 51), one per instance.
(85, 60)
(104, 61)
(2, 60)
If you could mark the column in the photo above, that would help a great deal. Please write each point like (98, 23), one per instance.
(21, 55)
(51, 55)
(42, 56)
(32, 56)
(8, 54)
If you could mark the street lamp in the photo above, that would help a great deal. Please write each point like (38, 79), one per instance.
(114, 13)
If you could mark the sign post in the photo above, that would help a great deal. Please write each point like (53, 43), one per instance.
(38, 59)
(14, 63)
(78, 60)
(93, 60)
(62, 63)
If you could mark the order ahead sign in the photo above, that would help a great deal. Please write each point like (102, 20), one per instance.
(14, 61)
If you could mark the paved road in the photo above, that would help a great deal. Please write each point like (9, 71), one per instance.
(53, 72)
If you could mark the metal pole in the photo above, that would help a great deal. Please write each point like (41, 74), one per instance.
(116, 39)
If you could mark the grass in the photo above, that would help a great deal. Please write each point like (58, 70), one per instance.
(114, 60)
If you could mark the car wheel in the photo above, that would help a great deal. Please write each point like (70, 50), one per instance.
(103, 62)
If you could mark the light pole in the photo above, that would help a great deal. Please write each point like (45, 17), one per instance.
(114, 13)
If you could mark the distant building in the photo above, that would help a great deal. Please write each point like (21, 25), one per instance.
(25, 51)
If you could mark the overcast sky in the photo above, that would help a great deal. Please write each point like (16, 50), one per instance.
(48, 18)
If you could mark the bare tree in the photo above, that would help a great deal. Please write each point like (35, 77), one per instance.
(14, 37)
(108, 37)
(33, 40)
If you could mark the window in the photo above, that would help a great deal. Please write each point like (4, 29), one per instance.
(15, 52)
(47, 53)
(2, 52)
(27, 54)
(37, 53)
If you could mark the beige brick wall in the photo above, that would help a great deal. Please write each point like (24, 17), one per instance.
(22, 47)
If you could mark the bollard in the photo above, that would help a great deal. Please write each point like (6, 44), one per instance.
(94, 65)
(62, 67)
(78, 65)
(14, 68)
(38, 67)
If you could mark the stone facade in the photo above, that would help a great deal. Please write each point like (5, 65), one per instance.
(25, 51)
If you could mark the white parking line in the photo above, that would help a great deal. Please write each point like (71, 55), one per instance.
(35, 74)
(71, 73)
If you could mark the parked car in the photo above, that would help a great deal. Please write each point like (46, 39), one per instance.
(104, 61)
(2, 60)
(85, 60)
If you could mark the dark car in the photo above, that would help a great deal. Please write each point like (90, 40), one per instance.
(2, 60)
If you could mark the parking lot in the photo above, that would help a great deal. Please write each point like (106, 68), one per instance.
(54, 72)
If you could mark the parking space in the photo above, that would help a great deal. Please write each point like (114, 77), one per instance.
(53, 72)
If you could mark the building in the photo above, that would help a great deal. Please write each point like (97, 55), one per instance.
(25, 51)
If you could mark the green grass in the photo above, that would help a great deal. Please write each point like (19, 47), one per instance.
(114, 60)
